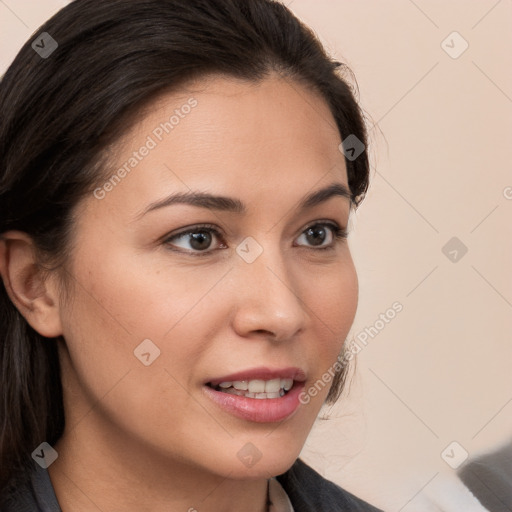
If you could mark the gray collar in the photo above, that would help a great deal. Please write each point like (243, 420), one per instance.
(47, 500)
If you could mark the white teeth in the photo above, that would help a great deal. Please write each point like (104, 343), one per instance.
(256, 386)
(272, 386)
(241, 384)
(287, 384)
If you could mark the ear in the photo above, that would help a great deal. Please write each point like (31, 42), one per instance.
(35, 298)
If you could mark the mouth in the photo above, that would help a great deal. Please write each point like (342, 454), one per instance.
(259, 395)
(255, 388)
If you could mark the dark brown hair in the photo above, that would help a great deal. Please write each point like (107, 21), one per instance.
(60, 113)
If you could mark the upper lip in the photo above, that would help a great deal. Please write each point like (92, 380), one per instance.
(262, 373)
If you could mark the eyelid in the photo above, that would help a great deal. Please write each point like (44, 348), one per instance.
(191, 229)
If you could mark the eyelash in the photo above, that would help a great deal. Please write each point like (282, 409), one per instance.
(339, 235)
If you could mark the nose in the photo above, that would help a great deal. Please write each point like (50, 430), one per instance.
(267, 298)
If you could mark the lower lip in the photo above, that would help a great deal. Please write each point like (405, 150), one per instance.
(264, 410)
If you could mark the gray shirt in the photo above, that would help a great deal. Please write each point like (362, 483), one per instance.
(489, 478)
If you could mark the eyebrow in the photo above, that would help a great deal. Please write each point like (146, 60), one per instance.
(230, 204)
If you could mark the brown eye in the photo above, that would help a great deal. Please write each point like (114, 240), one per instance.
(196, 240)
(200, 240)
(317, 234)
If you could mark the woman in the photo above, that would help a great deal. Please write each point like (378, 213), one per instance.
(175, 190)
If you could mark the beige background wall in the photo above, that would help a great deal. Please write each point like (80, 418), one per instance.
(441, 152)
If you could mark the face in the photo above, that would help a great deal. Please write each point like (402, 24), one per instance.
(171, 299)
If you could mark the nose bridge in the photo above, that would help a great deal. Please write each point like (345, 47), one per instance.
(268, 297)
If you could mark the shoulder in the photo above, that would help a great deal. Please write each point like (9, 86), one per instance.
(489, 478)
(309, 491)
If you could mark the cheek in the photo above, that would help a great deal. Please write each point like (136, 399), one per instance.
(129, 299)
(115, 307)
(333, 301)
(132, 297)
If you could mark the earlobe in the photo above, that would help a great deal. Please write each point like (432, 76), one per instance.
(33, 295)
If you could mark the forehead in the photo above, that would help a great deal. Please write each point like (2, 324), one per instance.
(236, 137)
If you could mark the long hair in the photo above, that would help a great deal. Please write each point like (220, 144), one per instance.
(62, 108)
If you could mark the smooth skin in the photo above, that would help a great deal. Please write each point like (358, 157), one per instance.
(146, 438)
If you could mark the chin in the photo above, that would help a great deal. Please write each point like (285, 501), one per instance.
(264, 462)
